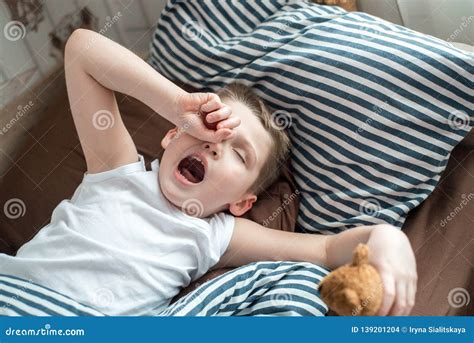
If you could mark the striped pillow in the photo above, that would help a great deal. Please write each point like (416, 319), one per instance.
(373, 109)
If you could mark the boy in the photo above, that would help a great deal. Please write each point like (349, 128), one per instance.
(135, 237)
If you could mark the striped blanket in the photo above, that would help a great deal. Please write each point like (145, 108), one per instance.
(257, 289)
(373, 109)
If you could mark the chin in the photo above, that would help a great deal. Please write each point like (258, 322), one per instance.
(177, 196)
(165, 185)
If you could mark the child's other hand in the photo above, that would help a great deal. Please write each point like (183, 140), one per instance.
(194, 108)
(392, 255)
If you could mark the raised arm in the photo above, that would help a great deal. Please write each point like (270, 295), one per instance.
(95, 67)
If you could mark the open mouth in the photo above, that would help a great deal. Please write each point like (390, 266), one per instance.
(192, 168)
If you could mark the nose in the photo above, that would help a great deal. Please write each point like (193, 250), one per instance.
(214, 149)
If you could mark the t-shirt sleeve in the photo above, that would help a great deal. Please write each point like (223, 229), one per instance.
(98, 187)
(138, 166)
(222, 227)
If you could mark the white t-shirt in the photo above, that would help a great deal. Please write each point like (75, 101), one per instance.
(120, 246)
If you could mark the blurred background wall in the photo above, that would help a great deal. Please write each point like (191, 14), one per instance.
(451, 20)
(33, 32)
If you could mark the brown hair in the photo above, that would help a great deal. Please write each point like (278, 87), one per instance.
(281, 143)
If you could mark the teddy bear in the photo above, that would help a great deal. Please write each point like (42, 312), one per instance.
(353, 289)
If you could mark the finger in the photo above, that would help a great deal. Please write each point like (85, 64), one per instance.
(213, 96)
(388, 295)
(223, 134)
(199, 98)
(399, 305)
(211, 105)
(411, 297)
(219, 115)
(230, 123)
(216, 136)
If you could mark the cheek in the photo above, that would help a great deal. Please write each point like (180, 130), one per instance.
(236, 175)
(179, 146)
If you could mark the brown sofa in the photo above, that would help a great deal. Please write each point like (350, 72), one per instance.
(42, 163)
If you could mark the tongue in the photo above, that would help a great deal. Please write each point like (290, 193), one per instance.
(188, 175)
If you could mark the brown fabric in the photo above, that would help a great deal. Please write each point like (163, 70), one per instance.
(444, 248)
(49, 164)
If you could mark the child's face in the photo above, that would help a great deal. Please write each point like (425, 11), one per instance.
(220, 182)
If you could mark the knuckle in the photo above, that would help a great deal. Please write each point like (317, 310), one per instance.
(386, 267)
(390, 293)
(401, 305)
(407, 276)
(211, 96)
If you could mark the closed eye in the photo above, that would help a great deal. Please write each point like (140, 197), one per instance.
(240, 156)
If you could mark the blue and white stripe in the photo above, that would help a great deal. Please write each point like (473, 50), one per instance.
(257, 289)
(375, 108)
(19, 297)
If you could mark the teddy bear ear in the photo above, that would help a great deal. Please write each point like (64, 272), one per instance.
(361, 255)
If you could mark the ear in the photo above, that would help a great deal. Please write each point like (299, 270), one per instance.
(240, 207)
(168, 137)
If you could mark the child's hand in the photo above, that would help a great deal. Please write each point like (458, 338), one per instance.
(193, 109)
(392, 255)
